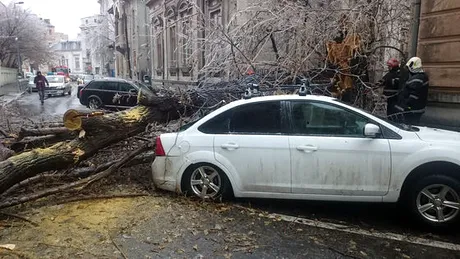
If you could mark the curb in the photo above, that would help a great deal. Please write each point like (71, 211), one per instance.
(19, 95)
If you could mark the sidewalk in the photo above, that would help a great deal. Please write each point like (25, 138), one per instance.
(10, 92)
(441, 116)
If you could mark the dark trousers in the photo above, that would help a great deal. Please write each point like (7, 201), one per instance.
(412, 118)
(391, 102)
(41, 94)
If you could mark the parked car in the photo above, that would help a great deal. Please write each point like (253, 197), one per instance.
(87, 78)
(31, 86)
(313, 148)
(109, 92)
(57, 85)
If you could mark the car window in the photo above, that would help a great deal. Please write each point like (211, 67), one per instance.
(257, 118)
(95, 85)
(125, 87)
(316, 118)
(220, 124)
(55, 79)
(111, 86)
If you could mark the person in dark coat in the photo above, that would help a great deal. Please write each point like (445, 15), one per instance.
(415, 92)
(390, 83)
(40, 81)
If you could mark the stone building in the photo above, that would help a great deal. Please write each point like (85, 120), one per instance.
(131, 39)
(173, 24)
(70, 54)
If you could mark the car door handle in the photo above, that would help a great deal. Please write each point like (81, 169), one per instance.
(307, 148)
(230, 146)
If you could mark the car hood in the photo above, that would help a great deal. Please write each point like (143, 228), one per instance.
(438, 135)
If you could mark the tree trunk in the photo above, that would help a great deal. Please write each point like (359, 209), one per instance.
(102, 131)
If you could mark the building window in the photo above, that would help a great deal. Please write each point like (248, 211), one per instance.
(159, 46)
(185, 11)
(77, 63)
(172, 46)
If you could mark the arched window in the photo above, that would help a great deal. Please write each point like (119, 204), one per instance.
(172, 34)
(159, 45)
(186, 44)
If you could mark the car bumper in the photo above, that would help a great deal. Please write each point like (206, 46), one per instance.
(54, 91)
(164, 177)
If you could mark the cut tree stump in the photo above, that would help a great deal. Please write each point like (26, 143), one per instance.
(97, 132)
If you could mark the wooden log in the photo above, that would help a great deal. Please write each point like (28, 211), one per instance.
(25, 132)
(101, 131)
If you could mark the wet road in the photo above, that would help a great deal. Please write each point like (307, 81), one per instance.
(29, 105)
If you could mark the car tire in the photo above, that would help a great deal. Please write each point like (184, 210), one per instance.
(435, 201)
(214, 186)
(70, 92)
(94, 103)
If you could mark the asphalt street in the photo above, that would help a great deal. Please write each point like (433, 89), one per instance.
(371, 218)
(29, 105)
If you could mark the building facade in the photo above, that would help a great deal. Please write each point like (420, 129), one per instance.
(131, 39)
(70, 54)
(177, 55)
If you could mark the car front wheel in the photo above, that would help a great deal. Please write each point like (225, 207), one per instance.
(94, 103)
(206, 181)
(435, 201)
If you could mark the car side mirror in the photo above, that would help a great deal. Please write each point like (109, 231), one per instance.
(372, 131)
(132, 91)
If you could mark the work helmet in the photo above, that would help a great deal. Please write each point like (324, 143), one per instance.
(392, 63)
(414, 65)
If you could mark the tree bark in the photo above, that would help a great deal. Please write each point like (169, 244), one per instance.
(102, 131)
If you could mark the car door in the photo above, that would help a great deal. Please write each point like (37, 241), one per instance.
(108, 91)
(255, 148)
(128, 94)
(331, 156)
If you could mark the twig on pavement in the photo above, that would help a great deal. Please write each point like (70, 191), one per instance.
(19, 217)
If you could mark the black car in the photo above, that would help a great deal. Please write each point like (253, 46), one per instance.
(109, 93)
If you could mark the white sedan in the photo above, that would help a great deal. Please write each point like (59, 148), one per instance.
(313, 148)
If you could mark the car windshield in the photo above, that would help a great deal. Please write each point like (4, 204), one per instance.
(55, 79)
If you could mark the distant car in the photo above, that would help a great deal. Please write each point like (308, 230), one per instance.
(87, 78)
(57, 86)
(313, 148)
(109, 93)
(31, 86)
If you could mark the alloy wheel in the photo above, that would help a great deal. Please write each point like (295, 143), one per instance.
(438, 203)
(206, 182)
(94, 103)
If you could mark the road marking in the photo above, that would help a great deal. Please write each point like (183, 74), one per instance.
(354, 230)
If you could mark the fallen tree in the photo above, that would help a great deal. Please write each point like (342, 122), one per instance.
(98, 131)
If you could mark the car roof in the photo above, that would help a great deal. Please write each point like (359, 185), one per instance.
(282, 98)
(111, 79)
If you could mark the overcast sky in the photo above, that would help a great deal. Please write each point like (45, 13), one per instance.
(64, 14)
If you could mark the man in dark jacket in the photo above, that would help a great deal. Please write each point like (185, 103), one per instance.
(40, 82)
(390, 83)
(415, 92)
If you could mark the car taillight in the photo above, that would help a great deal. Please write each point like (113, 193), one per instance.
(81, 91)
(159, 150)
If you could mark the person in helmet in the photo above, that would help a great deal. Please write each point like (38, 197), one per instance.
(390, 83)
(415, 92)
(40, 81)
